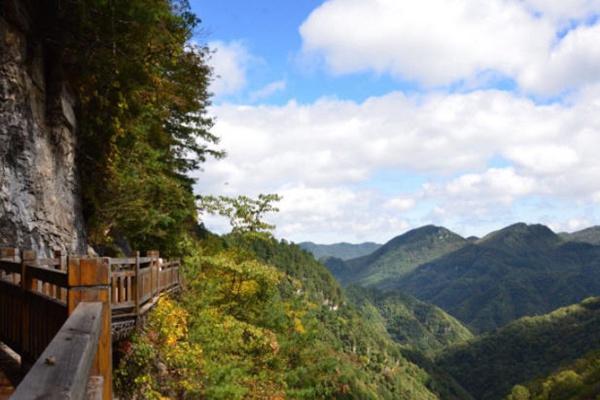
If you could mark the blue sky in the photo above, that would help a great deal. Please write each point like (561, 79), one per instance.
(372, 117)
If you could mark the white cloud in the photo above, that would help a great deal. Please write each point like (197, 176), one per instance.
(564, 11)
(333, 214)
(440, 42)
(572, 63)
(400, 203)
(479, 195)
(268, 90)
(321, 155)
(502, 183)
(229, 62)
(544, 158)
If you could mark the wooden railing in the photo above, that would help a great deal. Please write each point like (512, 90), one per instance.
(38, 303)
(65, 369)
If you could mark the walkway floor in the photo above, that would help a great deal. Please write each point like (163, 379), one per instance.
(10, 371)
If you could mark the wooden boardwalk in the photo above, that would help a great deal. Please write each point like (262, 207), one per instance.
(44, 302)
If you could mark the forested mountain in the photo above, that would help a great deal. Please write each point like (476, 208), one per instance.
(532, 347)
(589, 235)
(575, 381)
(343, 251)
(269, 320)
(398, 257)
(410, 322)
(520, 270)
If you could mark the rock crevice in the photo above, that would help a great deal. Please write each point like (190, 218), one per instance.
(40, 202)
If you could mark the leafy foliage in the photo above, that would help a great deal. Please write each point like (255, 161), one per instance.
(142, 122)
(244, 213)
(577, 381)
(273, 323)
(162, 360)
(490, 365)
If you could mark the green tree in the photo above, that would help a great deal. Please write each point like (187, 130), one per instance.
(519, 393)
(244, 213)
(143, 123)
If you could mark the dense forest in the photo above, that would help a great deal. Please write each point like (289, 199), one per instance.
(261, 318)
(428, 315)
(517, 271)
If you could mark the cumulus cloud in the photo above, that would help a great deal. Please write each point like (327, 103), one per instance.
(544, 158)
(333, 214)
(400, 203)
(319, 156)
(229, 62)
(441, 42)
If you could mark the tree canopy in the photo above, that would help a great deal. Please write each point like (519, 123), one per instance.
(142, 85)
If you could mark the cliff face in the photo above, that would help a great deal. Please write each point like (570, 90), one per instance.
(40, 204)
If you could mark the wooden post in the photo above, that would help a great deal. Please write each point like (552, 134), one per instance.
(89, 280)
(138, 285)
(27, 284)
(154, 255)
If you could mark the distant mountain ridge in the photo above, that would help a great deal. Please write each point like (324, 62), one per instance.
(516, 271)
(397, 257)
(343, 250)
(589, 235)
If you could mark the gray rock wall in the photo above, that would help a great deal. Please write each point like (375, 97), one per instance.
(40, 205)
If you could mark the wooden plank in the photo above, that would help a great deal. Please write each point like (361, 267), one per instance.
(92, 278)
(145, 260)
(9, 252)
(89, 271)
(122, 294)
(138, 286)
(122, 261)
(27, 285)
(40, 262)
(53, 276)
(11, 305)
(122, 273)
(45, 320)
(121, 305)
(63, 370)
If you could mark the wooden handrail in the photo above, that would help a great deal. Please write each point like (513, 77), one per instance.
(64, 368)
(38, 295)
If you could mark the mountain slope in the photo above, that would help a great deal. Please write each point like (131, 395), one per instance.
(358, 342)
(398, 257)
(410, 322)
(576, 381)
(517, 271)
(590, 235)
(260, 318)
(488, 366)
(343, 251)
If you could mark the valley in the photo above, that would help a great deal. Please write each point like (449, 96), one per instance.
(506, 315)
